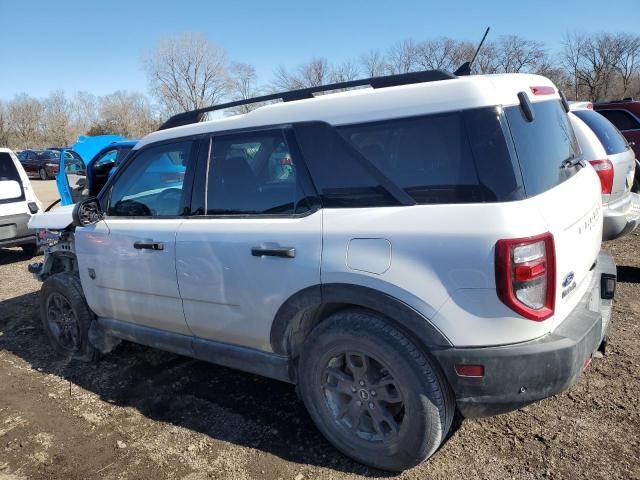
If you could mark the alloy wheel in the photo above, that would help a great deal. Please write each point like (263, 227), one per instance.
(63, 322)
(363, 396)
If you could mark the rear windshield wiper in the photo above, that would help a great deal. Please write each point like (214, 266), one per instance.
(572, 161)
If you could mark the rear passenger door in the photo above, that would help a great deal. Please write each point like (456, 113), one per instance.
(254, 238)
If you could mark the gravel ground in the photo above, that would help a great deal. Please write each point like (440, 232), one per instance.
(141, 413)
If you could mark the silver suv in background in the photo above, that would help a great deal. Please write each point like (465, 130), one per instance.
(614, 160)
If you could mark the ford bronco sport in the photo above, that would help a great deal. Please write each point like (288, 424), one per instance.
(428, 244)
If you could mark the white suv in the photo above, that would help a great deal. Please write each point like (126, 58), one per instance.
(17, 203)
(400, 251)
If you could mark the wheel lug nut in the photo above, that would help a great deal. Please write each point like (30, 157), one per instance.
(353, 389)
(361, 382)
(371, 405)
(359, 403)
(373, 393)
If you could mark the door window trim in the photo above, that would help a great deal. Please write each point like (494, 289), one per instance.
(303, 177)
(104, 197)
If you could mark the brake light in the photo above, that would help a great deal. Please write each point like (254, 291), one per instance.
(526, 275)
(604, 169)
(543, 90)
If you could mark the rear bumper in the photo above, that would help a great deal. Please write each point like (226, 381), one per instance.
(518, 374)
(14, 230)
(621, 217)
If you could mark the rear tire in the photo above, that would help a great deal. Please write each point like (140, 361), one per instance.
(372, 393)
(42, 173)
(66, 317)
(30, 249)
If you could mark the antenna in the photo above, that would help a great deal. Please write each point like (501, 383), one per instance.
(465, 68)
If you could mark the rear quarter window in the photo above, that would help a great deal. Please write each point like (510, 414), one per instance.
(542, 145)
(611, 139)
(8, 170)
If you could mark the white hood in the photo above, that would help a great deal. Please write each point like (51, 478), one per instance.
(56, 219)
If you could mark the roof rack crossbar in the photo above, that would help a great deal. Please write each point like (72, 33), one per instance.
(195, 116)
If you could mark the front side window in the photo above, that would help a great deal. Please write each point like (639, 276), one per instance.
(152, 184)
(621, 119)
(107, 158)
(73, 165)
(253, 173)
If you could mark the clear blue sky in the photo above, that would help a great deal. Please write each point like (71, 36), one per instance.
(97, 46)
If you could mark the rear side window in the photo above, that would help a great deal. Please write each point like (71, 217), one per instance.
(543, 145)
(8, 170)
(611, 139)
(457, 157)
(621, 119)
(253, 173)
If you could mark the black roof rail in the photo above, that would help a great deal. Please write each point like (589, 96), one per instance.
(195, 116)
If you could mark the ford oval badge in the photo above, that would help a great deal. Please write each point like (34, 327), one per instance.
(567, 280)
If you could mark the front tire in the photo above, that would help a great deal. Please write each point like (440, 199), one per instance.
(42, 173)
(372, 392)
(66, 317)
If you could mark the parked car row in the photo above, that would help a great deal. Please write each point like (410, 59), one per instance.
(428, 245)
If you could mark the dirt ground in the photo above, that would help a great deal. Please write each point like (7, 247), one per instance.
(140, 413)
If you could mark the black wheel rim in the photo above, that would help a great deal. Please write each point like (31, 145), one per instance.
(63, 322)
(363, 397)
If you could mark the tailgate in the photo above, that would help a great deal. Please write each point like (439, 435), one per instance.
(573, 212)
(624, 165)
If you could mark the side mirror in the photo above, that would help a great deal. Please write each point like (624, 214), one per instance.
(9, 189)
(87, 212)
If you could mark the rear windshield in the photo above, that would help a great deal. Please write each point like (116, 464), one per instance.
(8, 170)
(611, 139)
(542, 145)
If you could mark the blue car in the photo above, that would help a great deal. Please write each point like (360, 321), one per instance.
(80, 179)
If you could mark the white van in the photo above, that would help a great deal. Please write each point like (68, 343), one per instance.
(17, 203)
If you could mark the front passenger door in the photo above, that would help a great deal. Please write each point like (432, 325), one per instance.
(127, 262)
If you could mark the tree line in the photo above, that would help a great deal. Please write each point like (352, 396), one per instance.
(188, 72)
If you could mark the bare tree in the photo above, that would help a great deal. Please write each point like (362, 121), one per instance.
(571, 56)
(127, 114)
(25, 115)
(86, 110)
(487, 61)
(243, 86)
(344, 72)
(628, 64)
(5, 134)
(402, 57)
(58, 125)
(518, 55)
(373, 63)
(187, 72)
(313, 73)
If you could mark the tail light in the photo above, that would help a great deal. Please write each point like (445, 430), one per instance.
(526, 275)
(604, 169)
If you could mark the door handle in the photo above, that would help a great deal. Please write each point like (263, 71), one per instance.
(285, 252)
(148, 245)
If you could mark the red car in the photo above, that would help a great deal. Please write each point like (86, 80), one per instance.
(625, 115)
(42, 164)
